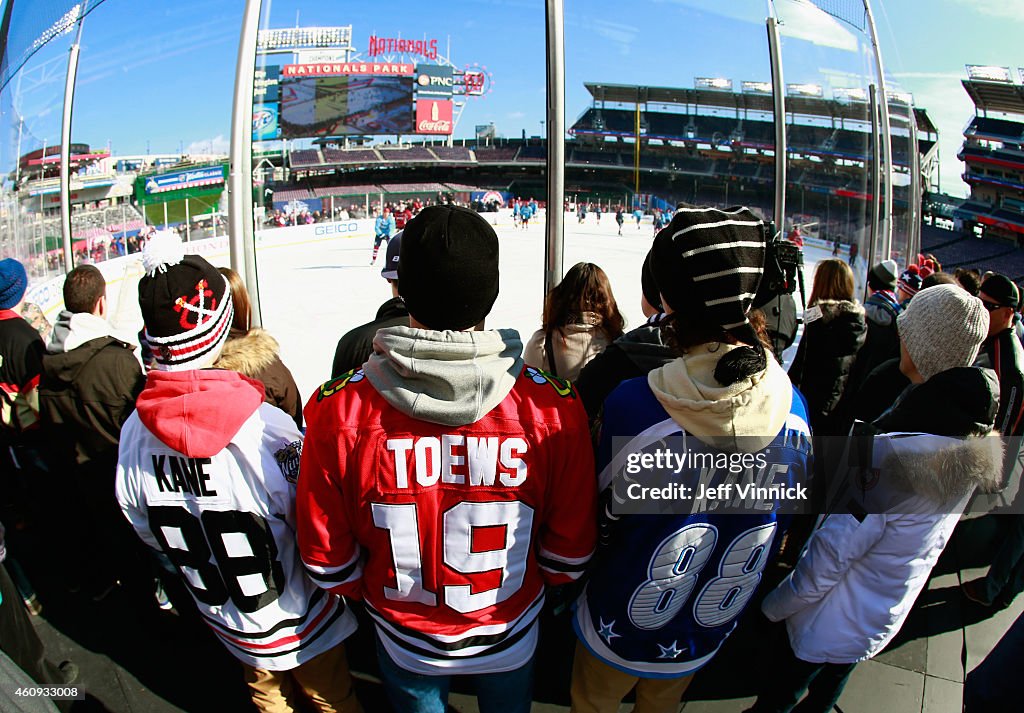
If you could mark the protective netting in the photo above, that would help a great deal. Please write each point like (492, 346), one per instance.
(851, 12)
(27, 25)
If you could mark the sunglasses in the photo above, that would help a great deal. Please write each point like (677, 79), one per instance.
(993, 306)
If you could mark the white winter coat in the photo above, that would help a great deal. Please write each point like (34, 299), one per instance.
(858, 577)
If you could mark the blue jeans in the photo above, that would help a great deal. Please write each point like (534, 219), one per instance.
(506, 692)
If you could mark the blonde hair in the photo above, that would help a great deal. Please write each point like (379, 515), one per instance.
(242, 319)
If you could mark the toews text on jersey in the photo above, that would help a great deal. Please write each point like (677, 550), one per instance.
(448, 533)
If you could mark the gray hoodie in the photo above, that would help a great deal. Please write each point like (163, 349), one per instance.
(445, 377)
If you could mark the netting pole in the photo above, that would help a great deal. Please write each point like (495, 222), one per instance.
(242, 238)
(779, 96)
(914, 246)
(875, 179)
(555, 219)
(883, 106)
(65, 143)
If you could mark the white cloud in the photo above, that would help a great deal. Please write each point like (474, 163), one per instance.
(949, 108)
(217, 145)
(517, 115)
(995, 8)
(618, 34)
(945, 76)
(803, 20)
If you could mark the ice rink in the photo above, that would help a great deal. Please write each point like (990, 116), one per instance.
(313, 291)
(312, 294)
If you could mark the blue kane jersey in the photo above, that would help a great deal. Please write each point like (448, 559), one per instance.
(666, 590)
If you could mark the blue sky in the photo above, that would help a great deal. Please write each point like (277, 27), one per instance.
(158, 75)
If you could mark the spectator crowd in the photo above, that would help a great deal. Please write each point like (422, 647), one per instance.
(457, 488)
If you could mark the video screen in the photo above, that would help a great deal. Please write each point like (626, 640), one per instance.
(350, 104)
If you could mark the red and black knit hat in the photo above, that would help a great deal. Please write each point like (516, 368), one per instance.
(185, 303)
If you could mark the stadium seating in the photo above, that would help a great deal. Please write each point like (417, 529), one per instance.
(682, 164)
(496, 154)
(342, 191)
(602, 158)
(452, 153)
(412, 153)
(1003, 154)
(983, 127)
(292, 194)
(361, 156)
(305, 157)
(532, 153)
(411, 188)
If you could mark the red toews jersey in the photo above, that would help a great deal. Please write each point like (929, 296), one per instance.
(448, 533)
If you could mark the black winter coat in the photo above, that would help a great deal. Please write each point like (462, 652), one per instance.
(823, 362)
(87, 394)
(882, 342)
(634, 354)
(356, 346)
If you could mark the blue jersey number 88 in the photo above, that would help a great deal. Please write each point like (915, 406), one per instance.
(677, 563)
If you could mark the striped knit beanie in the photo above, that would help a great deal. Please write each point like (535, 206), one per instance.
(185, 303)
(711, 261)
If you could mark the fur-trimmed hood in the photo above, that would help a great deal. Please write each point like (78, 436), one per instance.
(938, 441)
(249, 352)
(831, 309)
(942, 469)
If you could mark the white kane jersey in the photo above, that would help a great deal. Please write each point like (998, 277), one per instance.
(228, 524)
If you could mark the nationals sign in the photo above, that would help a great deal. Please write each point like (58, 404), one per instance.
(396, 45)
(433, 116)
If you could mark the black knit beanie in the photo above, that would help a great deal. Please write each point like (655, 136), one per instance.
(648, 285)
(448, 267)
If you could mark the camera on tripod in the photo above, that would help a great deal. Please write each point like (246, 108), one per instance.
(783, 265)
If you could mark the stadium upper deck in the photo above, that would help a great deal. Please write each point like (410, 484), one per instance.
(993, 155)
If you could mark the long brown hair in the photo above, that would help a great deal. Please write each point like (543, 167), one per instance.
(585, 288)
(833, 280)
(239, 300)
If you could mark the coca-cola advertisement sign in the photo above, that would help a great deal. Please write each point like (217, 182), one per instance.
(433, 117)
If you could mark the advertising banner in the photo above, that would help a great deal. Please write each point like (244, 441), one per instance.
(485, 132)
(265, 85)
(434, 81)
(184, 179)
(433, 117)
(264, 122)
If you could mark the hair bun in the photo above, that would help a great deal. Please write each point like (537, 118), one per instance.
(740, 364)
